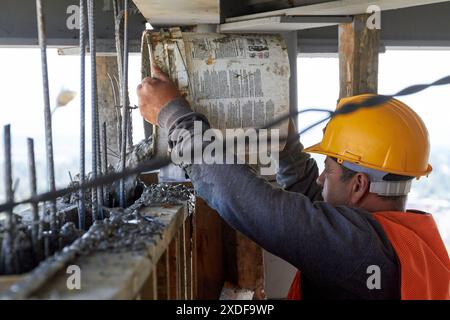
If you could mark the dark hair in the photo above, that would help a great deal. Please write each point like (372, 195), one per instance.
(347, 174)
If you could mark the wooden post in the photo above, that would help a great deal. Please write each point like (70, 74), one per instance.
(182, 263)
(188, 248)
(358, 57)
(149, 289)
(174, 285)
(107, 65)
(244, 262)
(162, 277)
(207, 252)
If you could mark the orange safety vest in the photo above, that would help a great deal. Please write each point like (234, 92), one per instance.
(423, 258)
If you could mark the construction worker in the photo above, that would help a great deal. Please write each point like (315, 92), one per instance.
(345, 230)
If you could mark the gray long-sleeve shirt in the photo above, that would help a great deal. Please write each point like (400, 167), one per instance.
(333, 246)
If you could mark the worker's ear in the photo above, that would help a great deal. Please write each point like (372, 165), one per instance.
(359, 189)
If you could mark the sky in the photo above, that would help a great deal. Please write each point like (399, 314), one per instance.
(22, 102)
(318, 86)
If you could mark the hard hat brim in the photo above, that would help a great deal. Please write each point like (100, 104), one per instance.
(317, 148)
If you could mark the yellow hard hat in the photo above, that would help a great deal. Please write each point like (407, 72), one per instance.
(390, 137)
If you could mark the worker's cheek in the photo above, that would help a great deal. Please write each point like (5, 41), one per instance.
(321, 182)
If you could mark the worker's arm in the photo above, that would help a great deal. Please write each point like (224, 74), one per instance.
(297, 171)
(329, 244)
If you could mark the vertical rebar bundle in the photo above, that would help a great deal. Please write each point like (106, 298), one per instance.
(47, 115)
(118, 40)
(124, 88)
(8, 240)
(81, 204)
(36, 232)
(94, 106)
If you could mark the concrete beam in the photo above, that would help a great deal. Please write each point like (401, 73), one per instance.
(18, 22)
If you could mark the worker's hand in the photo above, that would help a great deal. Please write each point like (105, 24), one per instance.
(154, 93)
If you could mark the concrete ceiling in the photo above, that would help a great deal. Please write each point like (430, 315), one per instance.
(417, 26)
(263, 15)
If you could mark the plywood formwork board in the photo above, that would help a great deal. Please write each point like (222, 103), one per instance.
(207, 252)
(179, 12)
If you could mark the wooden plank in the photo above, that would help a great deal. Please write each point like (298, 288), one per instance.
(149, 178)
(282, 24)
(8, 280)
(250, 265)
(149, 290)
(358, 57)
(106, 275)
(162, 270)
(244, 262)
(207, 252)
(336, 8)
(182, 263)
(173, 269)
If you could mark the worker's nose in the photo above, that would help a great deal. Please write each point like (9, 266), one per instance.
(320, 179)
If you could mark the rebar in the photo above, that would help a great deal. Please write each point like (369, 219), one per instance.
(81, 204)
(94, 105)
(47, 115)
(8, 250)
(36, 226)
(124, 87)
(105, 162)
(118, 41)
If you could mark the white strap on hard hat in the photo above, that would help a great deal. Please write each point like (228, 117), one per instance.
(378, 185)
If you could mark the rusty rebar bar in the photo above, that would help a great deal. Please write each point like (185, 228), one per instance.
(125, 111)
(81, 204)
(94, 106)
(8, 240)
(47, 115)
(36, 226)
